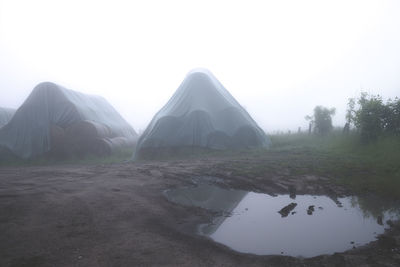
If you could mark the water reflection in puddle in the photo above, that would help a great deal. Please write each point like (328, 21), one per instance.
(310, 225)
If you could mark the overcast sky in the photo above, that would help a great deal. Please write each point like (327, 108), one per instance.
(279, 59)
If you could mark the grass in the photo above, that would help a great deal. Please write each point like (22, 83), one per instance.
(373, 167)
(117, 157)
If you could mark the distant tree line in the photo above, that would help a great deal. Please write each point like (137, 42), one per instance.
(372, 117)
(369, 115)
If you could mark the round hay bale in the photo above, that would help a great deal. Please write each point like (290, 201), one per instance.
(219, 140)
(112, 145)
(83, 138)
(101, 147)
(247, 137)
(89, 130)
(58, 142)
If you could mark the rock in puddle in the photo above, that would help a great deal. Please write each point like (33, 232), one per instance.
(287, 209)
(310, 210)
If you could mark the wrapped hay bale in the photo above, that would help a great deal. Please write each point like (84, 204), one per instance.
(83, 135)
(219, 140)
(58, 142)
(89, 130)
(101, 147)
(247, 137)
(108, 146)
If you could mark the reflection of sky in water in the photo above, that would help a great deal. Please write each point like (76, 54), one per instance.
(256, 226)
(261, 230)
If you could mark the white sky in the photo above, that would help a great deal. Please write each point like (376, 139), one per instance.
(279, 59)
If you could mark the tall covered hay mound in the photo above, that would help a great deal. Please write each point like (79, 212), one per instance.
(5, 115)
(60, 121)
(201, 114)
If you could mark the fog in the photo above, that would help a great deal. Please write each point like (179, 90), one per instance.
(279, 59)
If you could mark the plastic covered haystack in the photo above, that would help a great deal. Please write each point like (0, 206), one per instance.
(201, 114)
(5, 115)
(58, 120)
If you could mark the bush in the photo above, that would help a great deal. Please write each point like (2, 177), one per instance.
(373, 117)
(391, 116)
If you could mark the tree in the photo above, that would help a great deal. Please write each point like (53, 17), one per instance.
(351, 112)
(322, 119)
(370, 117)
(391, 116)
(373, 117)
(350, 115)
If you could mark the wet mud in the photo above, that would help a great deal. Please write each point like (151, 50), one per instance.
(117, 215)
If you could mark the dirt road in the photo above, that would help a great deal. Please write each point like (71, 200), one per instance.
(116, 215)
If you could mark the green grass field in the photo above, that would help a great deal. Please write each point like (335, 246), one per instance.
(372, 167)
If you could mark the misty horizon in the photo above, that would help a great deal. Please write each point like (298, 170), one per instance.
(277, 61)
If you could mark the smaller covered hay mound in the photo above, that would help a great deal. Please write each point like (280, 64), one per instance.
(89, 137)
(60, 122)
(5, 115)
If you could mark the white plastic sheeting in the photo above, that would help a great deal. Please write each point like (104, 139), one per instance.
(5, 115)
(28, 133)
(202, 113)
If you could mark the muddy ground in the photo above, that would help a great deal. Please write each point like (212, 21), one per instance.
(116, 215)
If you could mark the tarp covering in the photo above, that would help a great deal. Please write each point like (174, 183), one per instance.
(5, 115)
(201, 113)
(51, 112)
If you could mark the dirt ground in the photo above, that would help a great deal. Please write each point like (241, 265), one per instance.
(116, 215)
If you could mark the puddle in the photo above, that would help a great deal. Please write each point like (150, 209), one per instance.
(300, 226)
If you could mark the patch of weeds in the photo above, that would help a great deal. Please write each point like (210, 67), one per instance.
(89, 159)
